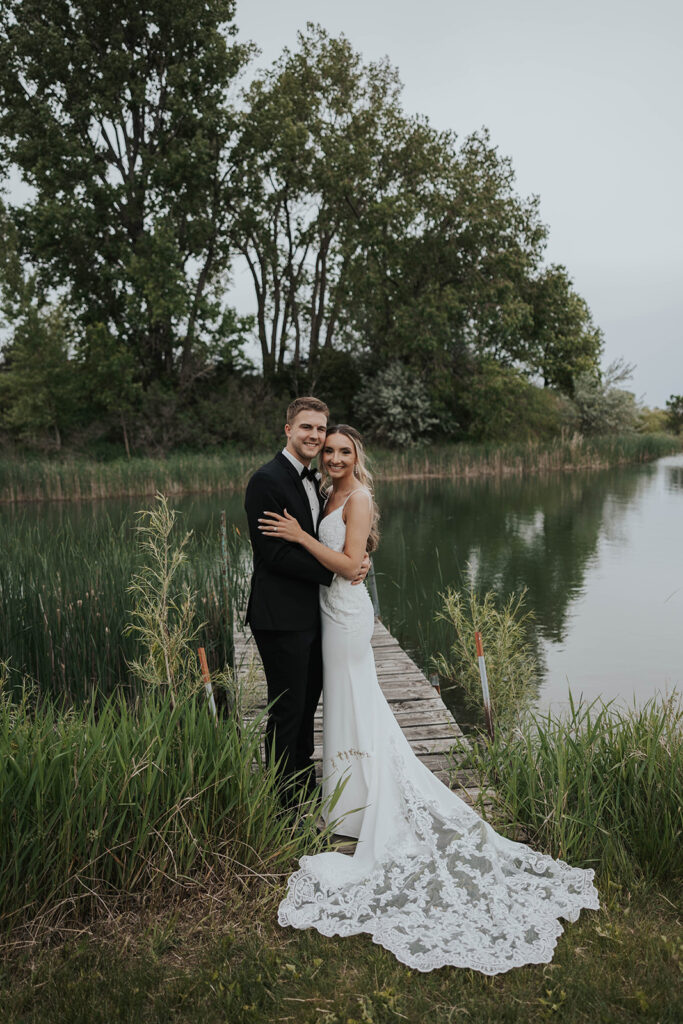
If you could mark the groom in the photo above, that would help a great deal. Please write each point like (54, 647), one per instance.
(283, 609)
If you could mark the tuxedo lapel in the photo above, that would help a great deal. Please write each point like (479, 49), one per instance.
(321, 504)
(308, 524)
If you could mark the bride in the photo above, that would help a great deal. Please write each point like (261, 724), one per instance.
(429, 880)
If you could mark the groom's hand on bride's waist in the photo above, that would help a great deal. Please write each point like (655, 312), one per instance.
(363, 571)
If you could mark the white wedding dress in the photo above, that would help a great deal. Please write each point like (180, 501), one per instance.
(429, 880)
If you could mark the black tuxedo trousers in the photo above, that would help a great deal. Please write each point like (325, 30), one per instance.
(284, 616)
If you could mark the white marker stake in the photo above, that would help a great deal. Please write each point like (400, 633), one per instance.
(484, 684)
(207, 682)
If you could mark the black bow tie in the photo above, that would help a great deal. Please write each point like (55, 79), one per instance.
(308, 474)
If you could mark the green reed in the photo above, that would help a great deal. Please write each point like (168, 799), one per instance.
(597, 786)
(80, 478)
(568, 452)
(103, 804)
(64, 601)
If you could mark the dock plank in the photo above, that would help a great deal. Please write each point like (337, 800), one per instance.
(428, 725)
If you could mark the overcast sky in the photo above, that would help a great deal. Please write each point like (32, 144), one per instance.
(586, 98)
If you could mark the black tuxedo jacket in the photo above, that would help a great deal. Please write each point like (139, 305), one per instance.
(284, 584)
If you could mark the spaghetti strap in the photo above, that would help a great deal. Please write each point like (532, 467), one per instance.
(362, 489)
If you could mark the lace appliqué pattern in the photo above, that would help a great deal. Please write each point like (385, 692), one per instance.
(469, 898)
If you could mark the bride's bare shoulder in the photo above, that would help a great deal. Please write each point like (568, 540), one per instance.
(359, 502)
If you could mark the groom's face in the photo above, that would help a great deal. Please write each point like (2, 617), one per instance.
(306, 434)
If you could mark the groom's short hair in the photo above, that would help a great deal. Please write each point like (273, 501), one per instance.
(306, 402)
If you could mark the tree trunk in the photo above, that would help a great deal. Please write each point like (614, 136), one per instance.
(125, 435)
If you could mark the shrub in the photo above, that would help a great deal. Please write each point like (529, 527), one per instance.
(652, 421)
(600, 407)
(394, 408)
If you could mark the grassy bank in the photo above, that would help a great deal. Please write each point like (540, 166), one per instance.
(125, 804)
(141, 863)
(218, 963)
(72, 478)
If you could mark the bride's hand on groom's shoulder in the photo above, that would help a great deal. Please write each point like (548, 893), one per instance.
(363, 571)
(284, 527)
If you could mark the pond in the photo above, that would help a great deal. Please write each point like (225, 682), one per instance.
(600, 554)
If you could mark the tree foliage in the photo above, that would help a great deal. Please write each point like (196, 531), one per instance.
(117, 117)
(312, 149)
(563, 341)
(498, 403)
(378, 247)
(674, 408)
(37, 382)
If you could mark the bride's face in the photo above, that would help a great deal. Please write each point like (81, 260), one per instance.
(339, 457)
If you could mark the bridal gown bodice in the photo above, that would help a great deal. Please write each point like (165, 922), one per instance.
(429, 880)
(342, 602)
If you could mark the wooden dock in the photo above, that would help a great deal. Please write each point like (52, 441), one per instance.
(424, 718)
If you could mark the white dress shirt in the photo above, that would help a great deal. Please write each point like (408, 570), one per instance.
(309, 487)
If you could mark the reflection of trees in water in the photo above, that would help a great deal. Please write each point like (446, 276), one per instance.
(539, 532)
(674, 478)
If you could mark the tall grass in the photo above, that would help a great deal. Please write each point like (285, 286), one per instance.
(114, 798)
(568, 452)
(510, 660)
(100, 805)
(64, 602)
(79, 478)
(596, 786)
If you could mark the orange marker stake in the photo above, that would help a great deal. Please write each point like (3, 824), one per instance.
(484, 684)
(207, 681)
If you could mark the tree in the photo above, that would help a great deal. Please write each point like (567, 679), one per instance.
(117, 117)
(38, 389)
(601, 406)
(499, 403)
(674, 408)
(109, 379)
(314, 131)
(562, 341)
(367, 230)
(442, 281)
(453, 277)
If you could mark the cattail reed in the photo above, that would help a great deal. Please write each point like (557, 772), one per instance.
(78, 478)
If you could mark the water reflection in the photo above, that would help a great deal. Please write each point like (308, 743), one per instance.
(538, 533)
(674, 478)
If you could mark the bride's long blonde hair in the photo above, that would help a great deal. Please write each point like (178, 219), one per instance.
(362, 475)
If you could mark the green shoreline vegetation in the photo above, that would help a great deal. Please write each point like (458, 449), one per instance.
(142, 856)
(81, 478)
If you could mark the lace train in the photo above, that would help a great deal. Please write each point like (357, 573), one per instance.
(470, 898)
